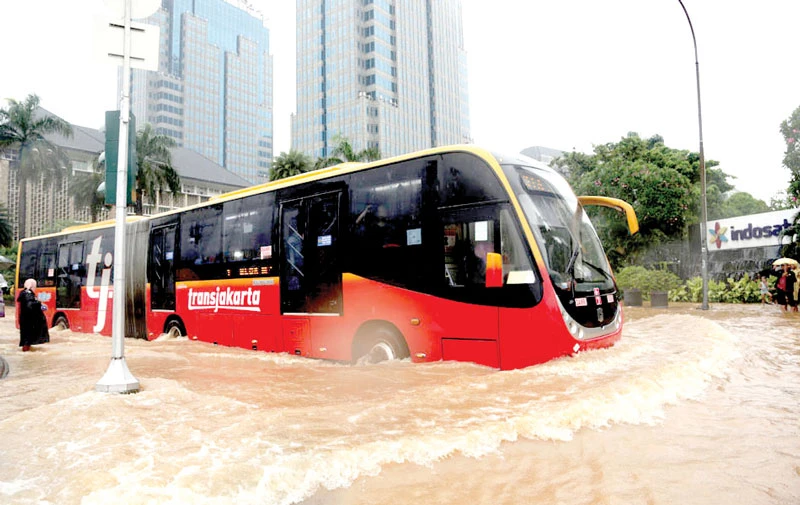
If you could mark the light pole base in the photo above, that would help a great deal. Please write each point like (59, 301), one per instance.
(118, 379)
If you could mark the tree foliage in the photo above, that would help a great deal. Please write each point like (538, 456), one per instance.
(661, 183)
(289, 164)
(84, 189)
(739, 204)
(790, 128)
(23, 126)
(782, 201)
(155, 170)
(344, 152)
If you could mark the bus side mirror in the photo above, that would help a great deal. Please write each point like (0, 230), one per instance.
(616, 204)
(494, 270)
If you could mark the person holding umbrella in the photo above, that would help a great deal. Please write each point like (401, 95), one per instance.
(786, 283)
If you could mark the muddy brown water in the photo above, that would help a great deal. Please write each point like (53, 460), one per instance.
(690, 407)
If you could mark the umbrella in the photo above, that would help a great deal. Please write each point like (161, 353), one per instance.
(785, 261)
(5, 261)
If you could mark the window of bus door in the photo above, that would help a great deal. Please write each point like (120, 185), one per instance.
(310, 269)
(71, 274)
(323, 227)
(293, 267)
(162, 278)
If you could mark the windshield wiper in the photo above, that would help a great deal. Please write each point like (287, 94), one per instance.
(598, 269)
(572, 259)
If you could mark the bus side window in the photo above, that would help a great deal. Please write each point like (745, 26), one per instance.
(247, 234)
(201, 240)
(465, 248)
(29, 261)
(386, 242)
(47, 269)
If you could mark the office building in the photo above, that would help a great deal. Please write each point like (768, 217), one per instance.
(382, 73)
(213, 91)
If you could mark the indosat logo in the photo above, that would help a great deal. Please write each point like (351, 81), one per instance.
(248, 300)
(718, 235)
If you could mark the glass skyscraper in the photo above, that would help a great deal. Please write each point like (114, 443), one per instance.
(213, 91)
(389, 74)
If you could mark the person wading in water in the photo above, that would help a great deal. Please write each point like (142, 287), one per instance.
(32, 321)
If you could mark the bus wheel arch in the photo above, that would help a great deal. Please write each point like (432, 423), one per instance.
(60, 321)
(174, 327)
(377, 341)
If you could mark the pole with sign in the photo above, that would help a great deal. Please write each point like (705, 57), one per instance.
(118, 379)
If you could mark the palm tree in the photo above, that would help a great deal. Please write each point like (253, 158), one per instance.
(154, 166)
(85, 189)
(39, 159)
(289, 164)
(344, 152)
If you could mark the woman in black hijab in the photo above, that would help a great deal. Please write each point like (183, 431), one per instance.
(32, 321)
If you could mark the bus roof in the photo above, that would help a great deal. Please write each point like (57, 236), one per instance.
(345, 168)
(313, 175)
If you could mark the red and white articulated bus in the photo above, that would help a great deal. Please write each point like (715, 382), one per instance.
(451, 253)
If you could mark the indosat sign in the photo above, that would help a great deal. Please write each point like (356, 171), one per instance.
(755, 230)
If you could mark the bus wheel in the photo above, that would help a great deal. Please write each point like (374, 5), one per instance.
(61, 323)
(379, 344)
(175, 329)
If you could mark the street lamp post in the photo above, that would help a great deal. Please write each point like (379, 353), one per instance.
(703, 207)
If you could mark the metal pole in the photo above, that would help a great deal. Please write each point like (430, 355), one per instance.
(703, 207)
(118, 379)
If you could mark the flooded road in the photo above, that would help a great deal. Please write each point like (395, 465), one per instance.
(690, 407)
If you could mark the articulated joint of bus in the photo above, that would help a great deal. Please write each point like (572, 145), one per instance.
(583, 333)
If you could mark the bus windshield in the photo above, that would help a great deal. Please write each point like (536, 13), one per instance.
(569, 244)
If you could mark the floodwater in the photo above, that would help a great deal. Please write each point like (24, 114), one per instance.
(690, 407)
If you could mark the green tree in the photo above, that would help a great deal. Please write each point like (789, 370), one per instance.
(344, 152)
(782, 201)
(739, 204)
(790, 128)
(155, 170)
(661, 183)
(84, 188)
(24, 128)
(289, 164)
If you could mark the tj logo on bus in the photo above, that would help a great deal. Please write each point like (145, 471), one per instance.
(103, 293)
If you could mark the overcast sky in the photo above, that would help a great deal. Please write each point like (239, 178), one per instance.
(566, 74)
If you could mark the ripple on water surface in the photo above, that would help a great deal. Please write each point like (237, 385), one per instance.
(214, 425)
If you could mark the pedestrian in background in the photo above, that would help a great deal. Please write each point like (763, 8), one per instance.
(32, 321)
(764, 289)
(785, 286)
